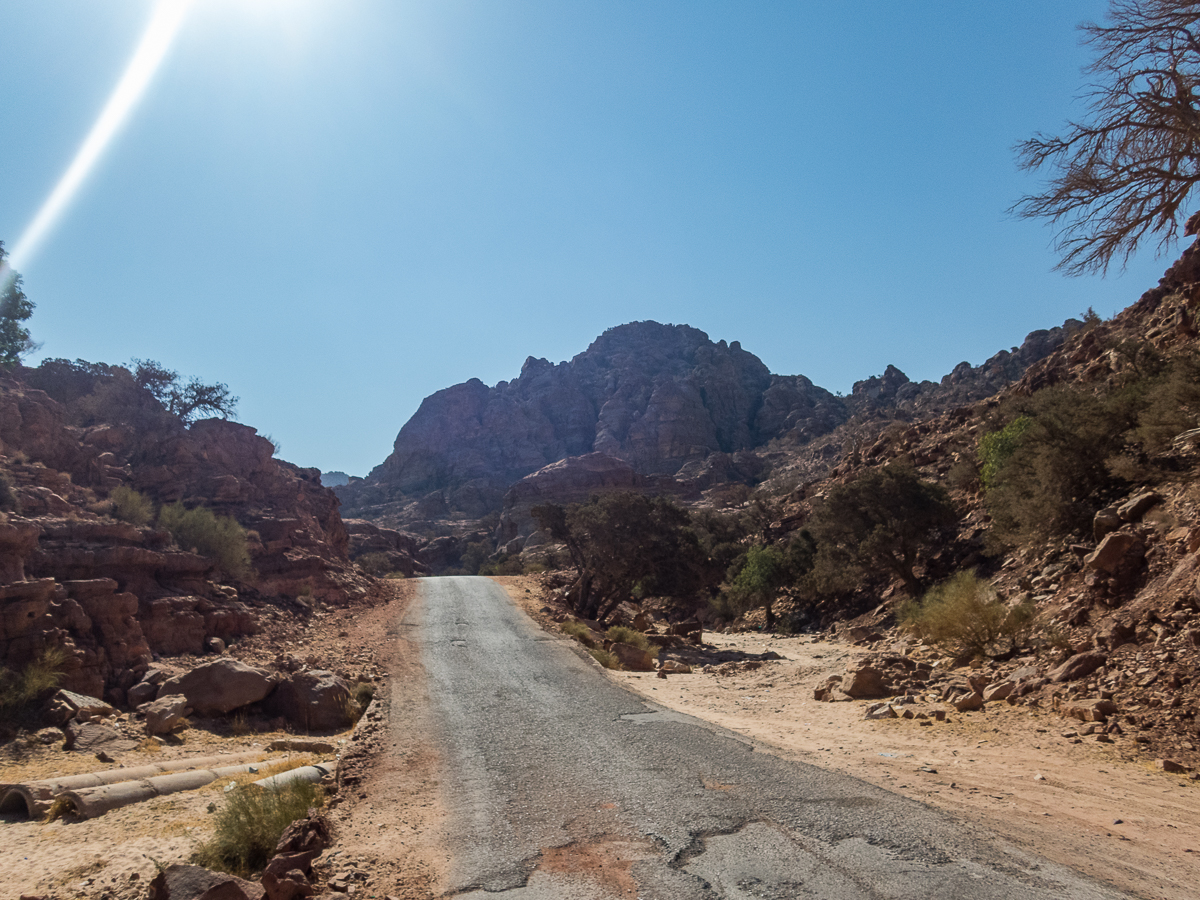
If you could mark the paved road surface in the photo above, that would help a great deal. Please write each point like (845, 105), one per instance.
(560, 784)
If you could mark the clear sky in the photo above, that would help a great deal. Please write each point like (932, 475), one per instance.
(338, 207)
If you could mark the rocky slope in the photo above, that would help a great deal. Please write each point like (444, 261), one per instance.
(662, 399)
(114, 595)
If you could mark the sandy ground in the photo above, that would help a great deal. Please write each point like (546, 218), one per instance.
(116, 855)
(1095, 807)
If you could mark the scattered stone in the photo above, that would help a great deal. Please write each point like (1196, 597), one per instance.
(968, 702)
(163, 716)
(1169, 765)
(881, 711)
(1107, 557)
(1092, 710)
(1078, 666)
(1137, 506)
(864, 683)
(215, 646)
(1001, 690)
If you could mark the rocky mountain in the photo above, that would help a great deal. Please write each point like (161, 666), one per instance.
(664, 400)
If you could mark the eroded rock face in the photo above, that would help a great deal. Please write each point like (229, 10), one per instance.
(655, 396)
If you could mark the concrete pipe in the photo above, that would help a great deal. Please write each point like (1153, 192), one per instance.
(33, 798)
(313, 774)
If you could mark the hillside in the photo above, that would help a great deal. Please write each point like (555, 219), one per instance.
(663, 399)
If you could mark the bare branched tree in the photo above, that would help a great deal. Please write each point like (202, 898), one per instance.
(1125, 172)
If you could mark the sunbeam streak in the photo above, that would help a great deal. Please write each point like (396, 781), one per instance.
(164, 24)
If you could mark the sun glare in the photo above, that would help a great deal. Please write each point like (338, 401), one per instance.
(164, 25)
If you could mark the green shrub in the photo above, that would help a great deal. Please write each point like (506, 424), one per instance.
(220, 538)
(579, 631)
(997, 447)
(130, 506)
(248, 827)
(605, 658)
(1058, 471)
(622, 634)
(965, 617)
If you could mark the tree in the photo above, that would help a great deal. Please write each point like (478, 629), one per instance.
(187, 401)
(885, 517)
(1124, 172)
(623, 542)
(757, 577)
(15, 308)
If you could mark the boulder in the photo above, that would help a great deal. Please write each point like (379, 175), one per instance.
(164, 714)
(1095, 710)
(864, 683)
(1001, 690)
(1112, 550)
(674, 667)
(1081, 665)
(881, 711)
(632, 658)
(968, 702)
(1105, 522)
(217, 687)
(1138, 505)
(180, 882)
(95, 738)
(312, 699)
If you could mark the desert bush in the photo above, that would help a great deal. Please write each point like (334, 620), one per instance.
(220, 538)
(249, 824)
(621, 634)
(130, 506)
(20, 691)
(8, 497)
(579, 631)
(605, 658)
(377, 564)
(505, 565)
(364, 693)
(964, 616)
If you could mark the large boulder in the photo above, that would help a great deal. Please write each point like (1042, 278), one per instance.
(313, 699)
(221, 686)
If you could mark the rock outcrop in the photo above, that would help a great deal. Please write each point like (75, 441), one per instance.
(663, 399)
(112, 594)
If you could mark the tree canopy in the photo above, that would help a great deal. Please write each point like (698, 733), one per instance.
(15, 308)
(1123, 173)
(187, 401)
(883, 518)
(624, 542)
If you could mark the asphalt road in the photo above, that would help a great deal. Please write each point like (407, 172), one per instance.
(560, 784)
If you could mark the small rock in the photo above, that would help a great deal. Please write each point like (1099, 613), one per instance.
(1169, 765)
(968, 702)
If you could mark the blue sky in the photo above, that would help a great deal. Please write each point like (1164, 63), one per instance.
(339, 207)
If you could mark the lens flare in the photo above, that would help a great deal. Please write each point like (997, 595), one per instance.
(161, 30)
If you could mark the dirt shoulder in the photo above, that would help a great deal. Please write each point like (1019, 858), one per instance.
(1095, 807)
(384, 817)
